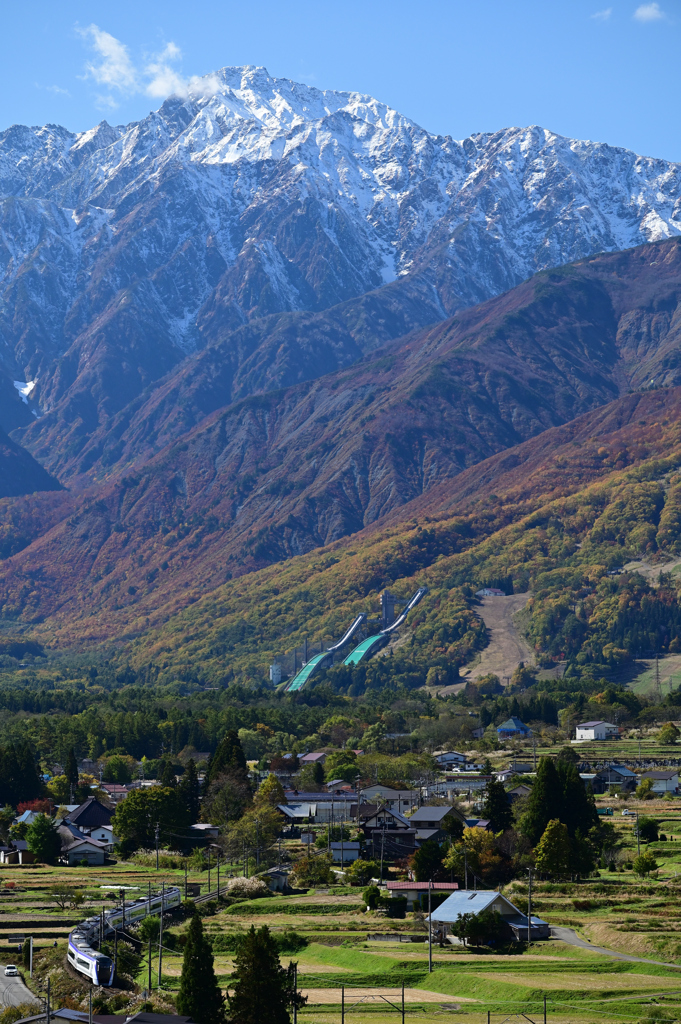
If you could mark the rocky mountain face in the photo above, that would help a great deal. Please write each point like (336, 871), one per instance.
(529, 381)
(259, 234)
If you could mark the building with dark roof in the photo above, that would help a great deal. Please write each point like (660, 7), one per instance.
(90, 814)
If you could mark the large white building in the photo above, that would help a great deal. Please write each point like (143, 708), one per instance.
(597, 731)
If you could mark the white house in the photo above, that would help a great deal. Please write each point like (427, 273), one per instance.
(103, 834)
(448, 758)
(663, 782)
(402, 800)
(597, 731)
(89, 850)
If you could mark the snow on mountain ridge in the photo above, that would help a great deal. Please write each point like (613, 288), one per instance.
(255, 195)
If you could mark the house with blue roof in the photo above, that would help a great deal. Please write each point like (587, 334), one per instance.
(513, 728)
(467, 901)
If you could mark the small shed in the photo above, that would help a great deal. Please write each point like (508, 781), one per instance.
(345, 852)
(663, 782)
(84, 849)
(413, 890)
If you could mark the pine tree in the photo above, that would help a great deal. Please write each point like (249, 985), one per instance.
(71, 770)
(229, 757)
(190, 789)
(544, 802)
(496, 808)
(28, 783)
(199, 996)
(263, 989)
(578, 809)
(43, 840)
(167, 777)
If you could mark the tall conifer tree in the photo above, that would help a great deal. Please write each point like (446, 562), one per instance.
(71, 770)
(199, 997)
(263, 989)
(228, 757)
(496, 807)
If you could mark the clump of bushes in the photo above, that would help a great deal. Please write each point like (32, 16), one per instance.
(248, 888)
(287, 942)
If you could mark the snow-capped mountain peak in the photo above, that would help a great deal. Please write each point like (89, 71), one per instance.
(255, 195)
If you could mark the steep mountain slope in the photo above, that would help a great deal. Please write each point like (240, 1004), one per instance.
(124, 249)
(279, 474)
(558, 548)
(20, 473)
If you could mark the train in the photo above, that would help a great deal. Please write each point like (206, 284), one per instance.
(82, 953)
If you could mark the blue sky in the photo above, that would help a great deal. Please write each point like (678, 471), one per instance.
(604, 70)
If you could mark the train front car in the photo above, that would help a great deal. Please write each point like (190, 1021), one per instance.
(82, 954)
(88, 961)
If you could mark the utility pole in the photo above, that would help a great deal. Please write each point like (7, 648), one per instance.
(218, 871)
(529, 910)
(341, 840)
(257, 843)
(465, 867)
(342, 1004)
(534, 751)
(160, 935)
(185, 879)
(638, 838)
(209, 869)
(544, 1008)
(382, 838)
(47, 1014)
(30, 958)
(156, 833)
(150, 968)
(295, 993)
(89, 1014)
(430, 931)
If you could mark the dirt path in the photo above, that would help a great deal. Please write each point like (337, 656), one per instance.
(506, 648)
(372, 996)
(652, 572)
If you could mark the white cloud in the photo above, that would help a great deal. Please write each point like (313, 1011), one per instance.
(114, 69)
(55, 89)
(157, 78)
(602, 15)
(649, 12)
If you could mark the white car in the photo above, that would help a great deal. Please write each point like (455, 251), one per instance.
(11, 971)
(628, 812)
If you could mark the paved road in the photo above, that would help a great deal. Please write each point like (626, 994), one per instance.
(13, 991)
(570, 936)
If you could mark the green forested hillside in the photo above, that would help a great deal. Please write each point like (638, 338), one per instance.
(561, 550)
